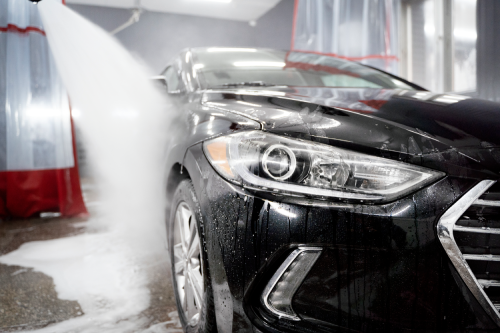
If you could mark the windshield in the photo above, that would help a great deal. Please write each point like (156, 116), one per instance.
(222, 67)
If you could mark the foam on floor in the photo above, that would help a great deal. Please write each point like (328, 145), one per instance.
(99, 271)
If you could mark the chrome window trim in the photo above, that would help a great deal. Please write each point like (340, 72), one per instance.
(277, 276)
(445, 227)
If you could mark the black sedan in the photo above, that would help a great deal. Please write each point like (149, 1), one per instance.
(308, 193)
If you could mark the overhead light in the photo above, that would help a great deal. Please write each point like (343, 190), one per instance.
(230, 49)
(259, 64)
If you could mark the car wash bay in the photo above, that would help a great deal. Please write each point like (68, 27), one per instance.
(63, 266)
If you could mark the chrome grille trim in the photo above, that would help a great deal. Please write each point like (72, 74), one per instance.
(445, 227)
(482, 230)
(489, 283)
(481, 202)
(483, 257)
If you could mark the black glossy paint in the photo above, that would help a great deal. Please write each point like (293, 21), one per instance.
(383, 268)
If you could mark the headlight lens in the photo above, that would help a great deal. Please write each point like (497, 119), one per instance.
(274, 163)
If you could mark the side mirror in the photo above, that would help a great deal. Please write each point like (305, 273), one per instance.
(163, 81)
(160, 79)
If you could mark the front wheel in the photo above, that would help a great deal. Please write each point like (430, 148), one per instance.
(190, 273)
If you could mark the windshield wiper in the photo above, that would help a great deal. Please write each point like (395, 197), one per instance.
(248, 84)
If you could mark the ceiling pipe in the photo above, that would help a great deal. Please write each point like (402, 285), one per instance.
(136, 15)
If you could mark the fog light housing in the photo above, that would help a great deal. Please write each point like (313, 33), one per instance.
(278, 294)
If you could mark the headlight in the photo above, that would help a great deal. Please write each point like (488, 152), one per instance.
(274, 163)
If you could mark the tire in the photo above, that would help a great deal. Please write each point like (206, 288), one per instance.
(185, 294)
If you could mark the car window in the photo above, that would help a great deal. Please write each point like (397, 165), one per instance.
(219, 66)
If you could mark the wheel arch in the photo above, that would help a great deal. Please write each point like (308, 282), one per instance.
(175, 176)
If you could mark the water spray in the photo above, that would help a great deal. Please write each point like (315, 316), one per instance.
(124, 120)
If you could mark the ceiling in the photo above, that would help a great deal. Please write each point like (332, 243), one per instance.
(239, 10)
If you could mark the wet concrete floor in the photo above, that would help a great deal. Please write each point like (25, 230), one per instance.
(28, 299)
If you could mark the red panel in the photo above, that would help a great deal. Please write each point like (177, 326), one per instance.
(15, 28)
(374, 103)
(27, 193)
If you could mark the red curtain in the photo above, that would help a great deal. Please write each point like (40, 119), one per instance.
(34, 87)
(27, 193)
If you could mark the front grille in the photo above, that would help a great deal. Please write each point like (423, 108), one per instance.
(477, 234)
(470, 233)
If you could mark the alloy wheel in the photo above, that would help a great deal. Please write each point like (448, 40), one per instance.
(188, 264)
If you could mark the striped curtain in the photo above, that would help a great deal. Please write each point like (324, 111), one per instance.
(37, 164)
(357, 30)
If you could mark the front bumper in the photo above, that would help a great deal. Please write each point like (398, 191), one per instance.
(381, 268)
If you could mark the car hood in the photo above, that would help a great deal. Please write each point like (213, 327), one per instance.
(401, 121)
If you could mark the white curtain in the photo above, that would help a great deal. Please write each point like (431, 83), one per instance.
(35, 124)
(358, 30)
